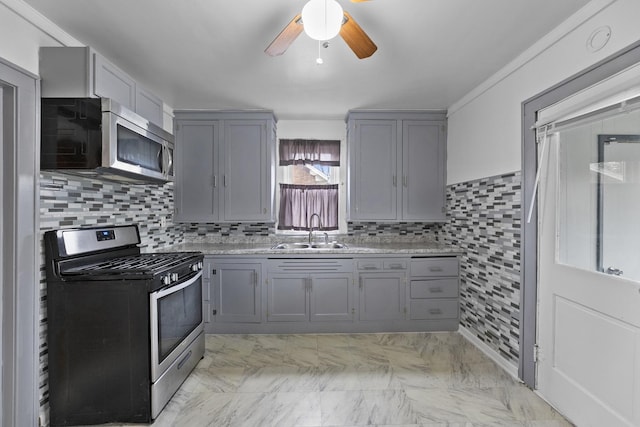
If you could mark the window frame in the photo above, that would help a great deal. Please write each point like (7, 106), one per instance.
(342, 191)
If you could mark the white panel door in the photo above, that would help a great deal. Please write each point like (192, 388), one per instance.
(588, 321)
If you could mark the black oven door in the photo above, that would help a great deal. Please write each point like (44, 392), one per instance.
(176, 320)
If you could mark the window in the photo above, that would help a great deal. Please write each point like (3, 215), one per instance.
(309, 185)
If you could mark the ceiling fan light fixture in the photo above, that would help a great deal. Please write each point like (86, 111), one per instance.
(322, 19)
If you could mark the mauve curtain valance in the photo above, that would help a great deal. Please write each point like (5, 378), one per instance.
(299, 202)
(309, 151)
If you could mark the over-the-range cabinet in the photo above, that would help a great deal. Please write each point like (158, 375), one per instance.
(397, 166)
(225, 166)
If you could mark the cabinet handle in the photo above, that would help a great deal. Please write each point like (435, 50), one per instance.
(435, 269)
(369, 267)
(224, 180)
(435, 290)
(215, 181)
(395, 181)
(435, 311)
(360, 282)
(405, 181)
(396, 266)
(255, 278)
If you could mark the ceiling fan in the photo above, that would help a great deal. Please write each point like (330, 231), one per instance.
(345, 25)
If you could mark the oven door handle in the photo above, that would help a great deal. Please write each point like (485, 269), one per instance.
(169, 289)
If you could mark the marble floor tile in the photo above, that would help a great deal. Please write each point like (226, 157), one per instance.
(352, 380)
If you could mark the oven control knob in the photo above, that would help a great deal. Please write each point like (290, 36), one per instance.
(199, 265)
(196, 267)
(166, 280)
(174, 277)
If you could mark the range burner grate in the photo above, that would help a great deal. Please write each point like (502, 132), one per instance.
(141, 263)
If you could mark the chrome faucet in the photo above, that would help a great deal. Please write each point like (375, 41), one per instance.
(318, 228)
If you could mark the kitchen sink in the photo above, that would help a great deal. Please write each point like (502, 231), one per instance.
(330, 245)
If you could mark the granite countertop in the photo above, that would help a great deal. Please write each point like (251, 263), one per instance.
(368, 247)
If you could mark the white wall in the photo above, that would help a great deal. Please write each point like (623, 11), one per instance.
(23, 31)
(484, 133)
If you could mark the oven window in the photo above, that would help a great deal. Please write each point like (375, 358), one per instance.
(179, 313)
(138, 150)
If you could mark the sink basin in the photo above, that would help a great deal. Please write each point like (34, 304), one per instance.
(331, 245)
(291, 246)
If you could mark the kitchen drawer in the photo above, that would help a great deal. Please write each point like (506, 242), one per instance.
(436, 288)
(434, 266)
(369, 264)
(433, 309)
(398, 264)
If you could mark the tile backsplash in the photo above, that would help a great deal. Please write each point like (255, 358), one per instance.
(485, 223)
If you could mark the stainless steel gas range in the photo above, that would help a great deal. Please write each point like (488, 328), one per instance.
(125, 329)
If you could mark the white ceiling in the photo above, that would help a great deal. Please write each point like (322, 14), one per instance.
(209, 53)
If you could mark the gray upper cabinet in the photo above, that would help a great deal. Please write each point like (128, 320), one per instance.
(196, 186)
(373, 169)
(111, 82)
(397, 166)
(224, 166)
(149, 106)
(80, 72)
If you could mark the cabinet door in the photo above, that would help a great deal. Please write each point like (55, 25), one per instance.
(111, 82)
(149, 106)
(330, 297)
(246, 171)
(382, 296)
(373, 166)
(287, 299)
(237, 292)
(423, 185)
(196, 180)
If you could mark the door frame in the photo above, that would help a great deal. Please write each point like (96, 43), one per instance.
(529, 249)
(19, 289)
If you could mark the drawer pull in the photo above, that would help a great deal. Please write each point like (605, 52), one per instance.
(435, 311)
(369, 267)
(435, 269)
(435, 290)
(396, 266)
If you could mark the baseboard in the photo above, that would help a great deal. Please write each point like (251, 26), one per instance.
(490, 353)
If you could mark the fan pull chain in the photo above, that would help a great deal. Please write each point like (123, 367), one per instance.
(319, 60)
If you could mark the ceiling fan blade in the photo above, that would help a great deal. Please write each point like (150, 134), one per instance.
(356, 38)
(283, 40)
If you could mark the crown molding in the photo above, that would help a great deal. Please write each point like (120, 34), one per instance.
(38, 20)
(570, 24)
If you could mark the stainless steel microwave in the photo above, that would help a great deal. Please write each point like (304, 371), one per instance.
(96, 137)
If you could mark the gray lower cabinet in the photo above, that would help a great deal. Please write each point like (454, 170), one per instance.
(433, 293)
(303, 290)
(382, 283)
(254, 294)
(236, 292)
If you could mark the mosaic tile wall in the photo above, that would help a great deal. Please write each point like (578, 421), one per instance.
(484, 221)
(67, 201)
(378, 229)
(195, 232)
